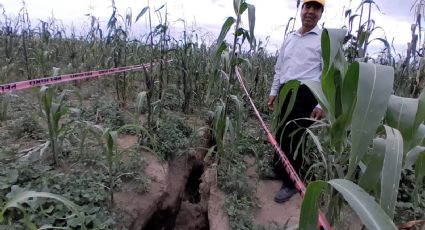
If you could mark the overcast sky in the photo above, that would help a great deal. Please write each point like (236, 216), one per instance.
(207, 16)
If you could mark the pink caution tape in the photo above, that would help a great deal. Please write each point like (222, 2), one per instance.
(288, 167)
(71, 77)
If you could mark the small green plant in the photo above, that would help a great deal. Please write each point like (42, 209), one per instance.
(28, 127)
(107, 113)
(54, 110)
(109, 139)
(170, 136)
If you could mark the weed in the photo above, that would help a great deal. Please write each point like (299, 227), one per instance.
(104, 112)
(239, 211)
(233, 181)
(28, 126)
(170, 136)
(406, 209)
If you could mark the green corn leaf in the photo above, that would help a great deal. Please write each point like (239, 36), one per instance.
(244, 33)
(363, 36)
(371, 176)
(420, 115)
(369, 212)
(344, 107)
(141, 100)
(419, 176)
(220, 49)
(316, 89)
(401, 114)
(243, 7)
(309, 214)
(349, 89)
(331, 42)
(334, 69)
(225, 28)
(220, 125)
(160, 8)
(141, 13)
(420, 135)
(251, 21)
(373, 93)
(238, 114)
(278, 118)
(412, 156)
(391, 171)
(236, 6)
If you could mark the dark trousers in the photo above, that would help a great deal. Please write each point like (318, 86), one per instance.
(304, 104)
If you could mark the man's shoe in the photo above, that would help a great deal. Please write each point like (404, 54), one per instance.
(284, 194)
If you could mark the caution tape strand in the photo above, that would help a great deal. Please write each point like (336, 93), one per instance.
(21, 85)
(287, 164)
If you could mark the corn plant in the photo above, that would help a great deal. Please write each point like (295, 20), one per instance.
(25, 30)
(240, 6)
(54, 110)
(360, 39)
(361, 112)
(230, 60)
(117, 37)
(149, 80)
(109, 140)
(410, 69)
(187, 86)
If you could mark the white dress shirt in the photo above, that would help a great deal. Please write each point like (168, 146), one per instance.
(300, 58)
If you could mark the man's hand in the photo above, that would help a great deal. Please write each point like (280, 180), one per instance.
(317, 113)
(270, 102)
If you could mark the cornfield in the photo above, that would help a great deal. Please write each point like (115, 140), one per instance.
(135, 150)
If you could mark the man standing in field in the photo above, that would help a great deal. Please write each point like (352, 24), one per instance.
(300, 58)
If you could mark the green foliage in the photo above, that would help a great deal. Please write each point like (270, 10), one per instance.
(104, 112)
(371, 214)
(232, 177)
(238, 209)
(54, 110)
(82, 188)
(265, 162)
(28, 126)
(405, 208)
(352, 134)
(169, 137)
(234, 181)
(355, 100)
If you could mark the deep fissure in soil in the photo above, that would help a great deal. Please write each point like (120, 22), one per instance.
(162, 220)
(192, 186)
(187, 212)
